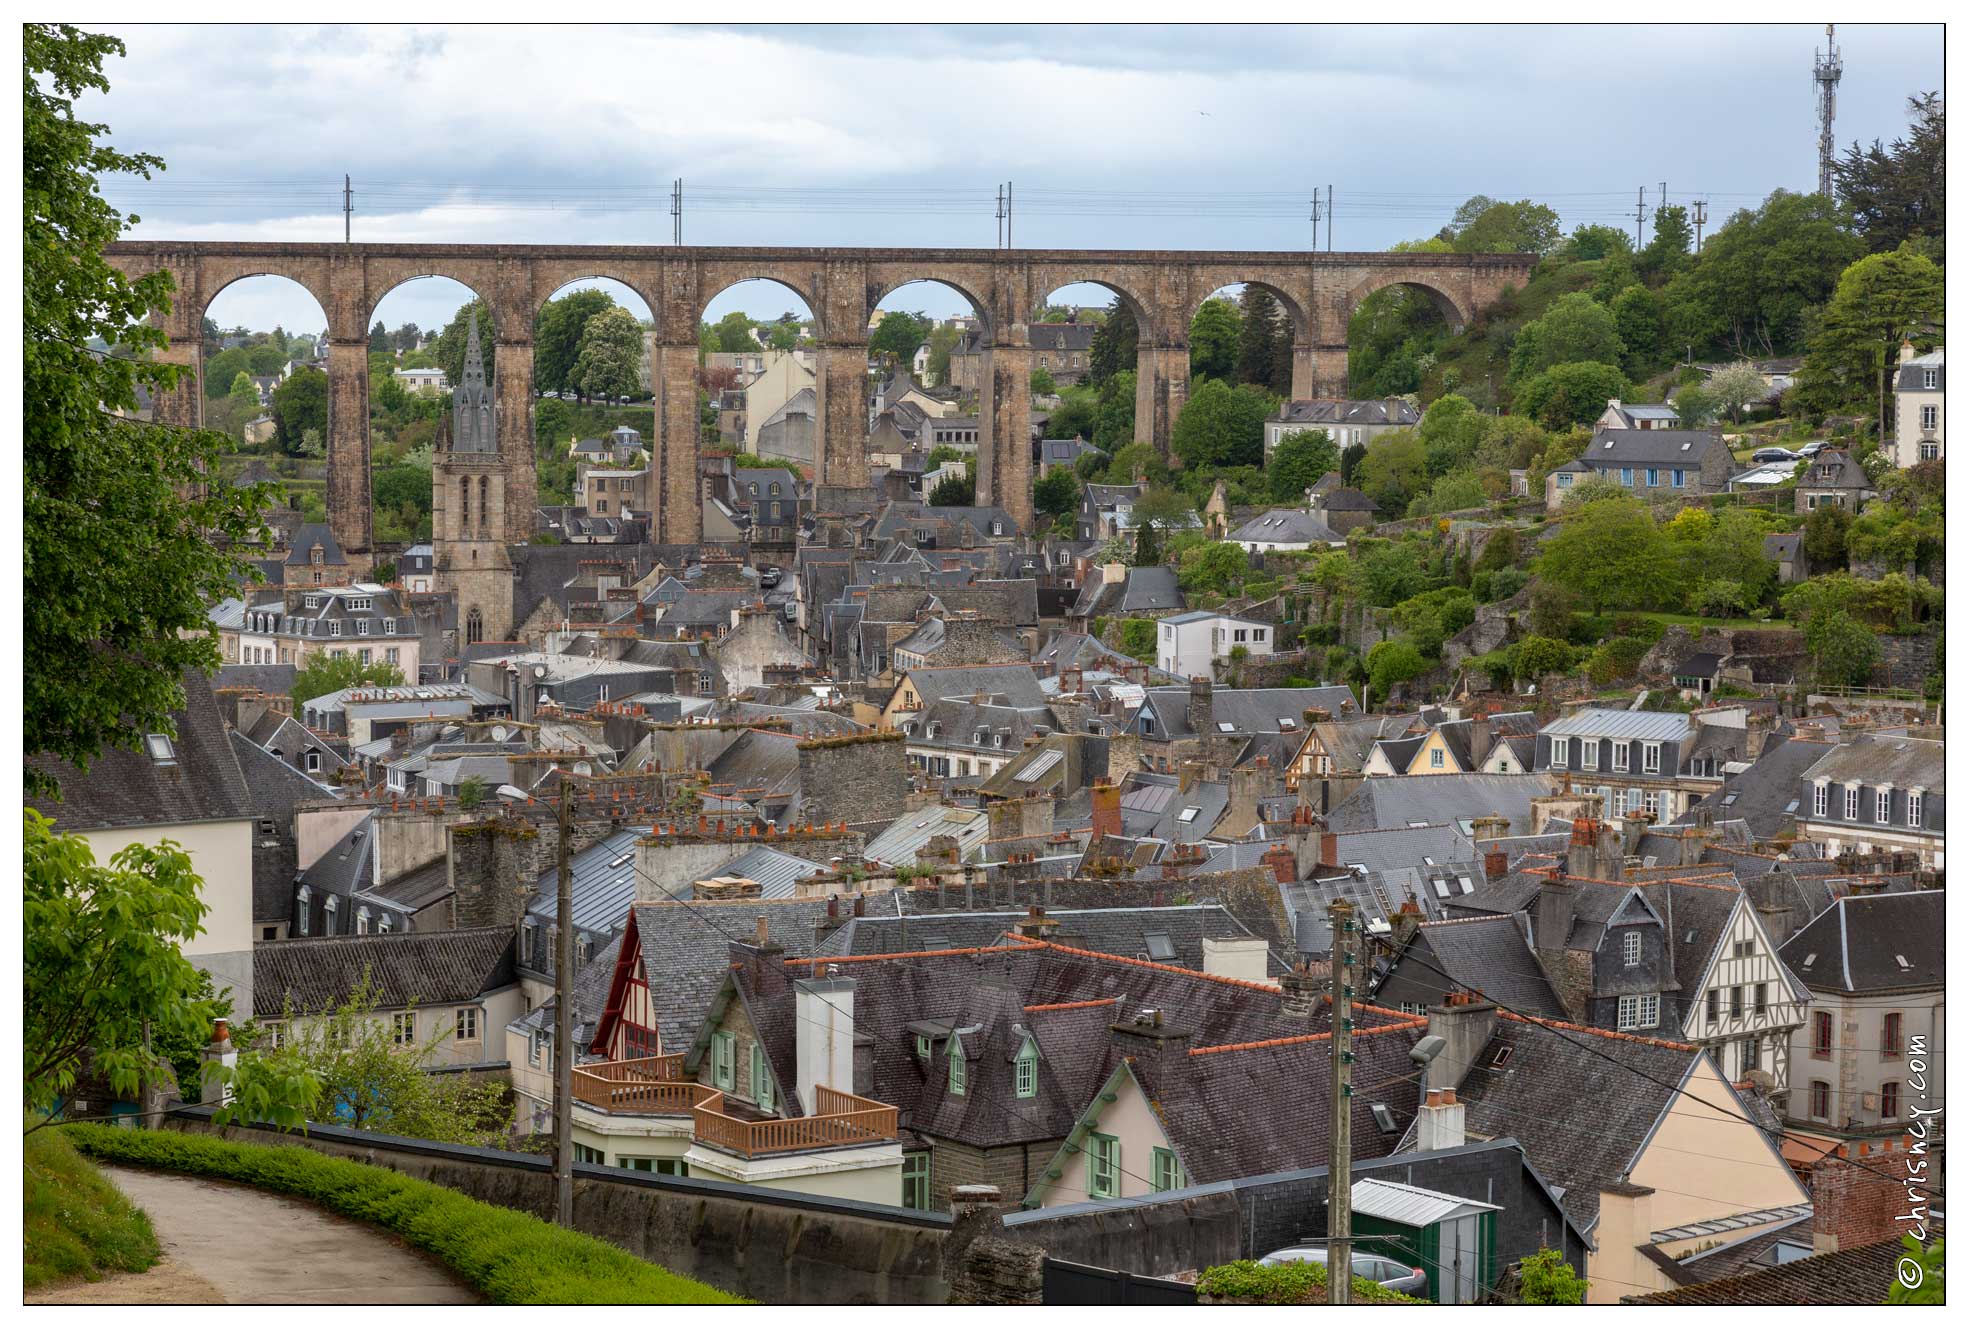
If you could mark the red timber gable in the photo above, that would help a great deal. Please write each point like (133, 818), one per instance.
(627, 1029)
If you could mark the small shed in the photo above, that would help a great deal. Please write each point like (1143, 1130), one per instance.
(1697, 674)
(1451, 1239)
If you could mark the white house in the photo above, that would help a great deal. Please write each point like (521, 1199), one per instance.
(1191, 645)
(1918, 386)
(427, 381)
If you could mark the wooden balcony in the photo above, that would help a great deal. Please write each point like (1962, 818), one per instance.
(652, 1085)
(842, 1121)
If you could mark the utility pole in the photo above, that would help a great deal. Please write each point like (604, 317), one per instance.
(564, 1012)
(999, 213)
(1640, 211)
(1329, 219)
(1659, 206)
(348, 207)
(1826, 69)
(1008, 214)
(1316, 219)
(677, 211)
(1702, 215)
(1340, 1162)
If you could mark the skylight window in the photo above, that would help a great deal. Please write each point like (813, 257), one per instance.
(159, 747)
(1810, 958)
(1188, 815)
(1159, 946)
(1225, 727)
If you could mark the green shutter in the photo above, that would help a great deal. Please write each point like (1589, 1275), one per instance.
(723, 1060)
(762, 1079)
(1165, 1172)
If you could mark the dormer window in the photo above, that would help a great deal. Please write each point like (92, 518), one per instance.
(316, 556)
(957, 1067)
(312, 602)
(1630, 949)
(1025, 1071)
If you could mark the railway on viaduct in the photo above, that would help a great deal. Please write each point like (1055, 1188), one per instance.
(842, 287)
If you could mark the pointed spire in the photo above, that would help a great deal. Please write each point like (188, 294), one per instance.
(474, 357)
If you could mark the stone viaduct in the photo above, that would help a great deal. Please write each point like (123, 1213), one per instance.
(842, 288)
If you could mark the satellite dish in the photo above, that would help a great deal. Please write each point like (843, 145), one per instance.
(540, 671)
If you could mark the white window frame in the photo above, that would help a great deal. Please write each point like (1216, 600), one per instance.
(1639, 1012)
(1651, 758)
(1819, 798)
(1435, 759)
(1620, 751)
(403, 1028)
(1630, 948)
(1883, 804)
(1559, 754)
(1852, 802)
(465, 1025)
(1914, 797)
(1589, 755)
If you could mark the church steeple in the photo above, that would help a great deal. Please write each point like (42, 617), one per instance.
(471, 405)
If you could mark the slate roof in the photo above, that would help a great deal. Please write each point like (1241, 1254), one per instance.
(199, 782)
(1651, 447)
(1858, 944)
(1149, 588)
(300, 547)
(1875, 759)
(1319, 411)
(1346, 499)
(1785, 546)
(604, 884)
(273, 679)
(1172, 934)
(1766, 796)
(1017, 683)
(406, 968)
(1397, 800)
(775, 870)
(1286, 526)
(898, 844)
(1246, 710)
(1859, 1275)
(273, 788)
(1607, 722)
(1489, 955)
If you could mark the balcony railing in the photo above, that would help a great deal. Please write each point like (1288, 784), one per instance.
(654, 1086)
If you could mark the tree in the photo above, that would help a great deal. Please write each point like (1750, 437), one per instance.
(1076, 416)
(406, 337)
(955, 492)
(1668, 250)
(1113, 348)
(1759, 274)
(609, 363)
(222, 369)
(127, 532)
(1593, 241)
(1391, 663)
(1148, 546)
(942, 339)
(1896, 194)
(1569, 394)
(1736, 386)
(102, 956)
(450, 346)
(380, 342)
(1042, 383)
(557, 333)
(300, 404)
(1217, 566)
(1880, 301)
(1213, 340)
(243, 391)
(1825, 538)
(1535, 656)
(326, 673)
(1545, 1279)
(1523, 227)
(1918, 1274)
(1610, 552)
(1264, 331)
(899, 335)
(1114, 416)
(733, 333)
(1843, 652)
(1164, 507)
(471, 792)
(1394, 470)
(1472, 208)
(1057, 492)
(1222, 426)
(1298, 461)
(1637, 322)
(1696, 405)
(1577, 327)
(1351, 458)
(363, 1078)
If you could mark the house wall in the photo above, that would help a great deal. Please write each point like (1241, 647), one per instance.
(1857, 1068)
(437, 1025)
(1772, 1029)
(221, 853)
(1012, 1167)
(1132, 1120)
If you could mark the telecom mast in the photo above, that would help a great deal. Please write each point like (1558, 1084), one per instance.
(1826, 68)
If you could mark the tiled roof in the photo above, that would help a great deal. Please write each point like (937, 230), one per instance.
(1860, 1275)
(405, 968)
(1766, 797)
(1488, 955)
(1651, 447)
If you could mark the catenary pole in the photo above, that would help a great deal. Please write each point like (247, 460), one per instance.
(564, 1013)
(1339, 1165)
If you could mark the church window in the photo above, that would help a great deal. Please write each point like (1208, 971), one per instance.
(474, 627)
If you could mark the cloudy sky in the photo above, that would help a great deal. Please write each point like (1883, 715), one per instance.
(1146, 136)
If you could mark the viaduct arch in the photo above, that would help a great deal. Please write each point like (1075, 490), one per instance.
(842, 287)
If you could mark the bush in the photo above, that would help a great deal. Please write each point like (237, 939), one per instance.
(1294, 1284)
(1614, 659)
(1505, 583)
(75, 1224)
(513, 1258)
(1138, 639)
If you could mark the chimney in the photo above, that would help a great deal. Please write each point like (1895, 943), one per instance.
(1300, 989)
(1480, 740)
(1037, 925)
(1439, 1125)
(1236, 957)
(1329, 852)
(824, 1038)
(1497, 864)
(1626, 1216)
(1855, 1195)
(1004, 819)
(1465, 1024)
(1632, 826)
(1147, 1039)
(1907, 350)
(1199, 713)
(219, 1058)
(1613, 403)
(1552, 923)
(1114, 573)
(1283, 863)
(1107, 808)
(1035, 815)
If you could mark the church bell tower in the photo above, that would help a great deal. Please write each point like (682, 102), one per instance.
(468, 506)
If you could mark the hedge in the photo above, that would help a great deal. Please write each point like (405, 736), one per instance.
(511, 1257)
(1295, 1283)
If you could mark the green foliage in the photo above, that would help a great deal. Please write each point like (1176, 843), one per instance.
(1392, 340)
(1214, 340)
(1843, 652)
(1042, 384)
(1114, 420)
(957, 491)
(1264, 342)
(1298, 461)
(1137, 640)
(1611, 552)
(75, 1223)
(1218, 566)
(449, 348)
(1505, 583)
(1221, 425)
(1637, 321)
(1569, 394)
(1535, 657)
(1897, 193)
(1148, 546)
(1113, 348)
(609, 361)
(899, 335)
(511, 1257)
(1890, 603)
(1918, 1274)
(1576, 328)
(1393, 662)
(1456, 492)
(1390, 571)
(557, 332)
(1594, 241)
(1668, 249)
(471, 792)
(1615, 659)
(1758, 275)
(1880, 301)
(102, 954)
(299, 404)
(1056, 493)
(1735, 387)
(121, 552)
(326, 673)
(1523, 227)
(1545, 1279)
(1293, 1284)
(1394, 469)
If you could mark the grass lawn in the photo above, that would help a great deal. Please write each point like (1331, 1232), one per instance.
(75, 1223)
(1726, 624)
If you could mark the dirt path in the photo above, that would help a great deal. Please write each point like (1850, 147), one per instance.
(234, 1244)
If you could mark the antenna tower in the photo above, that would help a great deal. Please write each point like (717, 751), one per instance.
(1826, 68)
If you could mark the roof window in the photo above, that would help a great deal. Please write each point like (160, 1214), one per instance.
(1159, 946)
(160, 749)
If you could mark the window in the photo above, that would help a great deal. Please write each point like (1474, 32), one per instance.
(1761, 998)
(534, 1046)
(1822, 1035)
(1680, 477)
(468, 1024)
(1642, 1012)
(1560, 756)
(403, 1028)
(1736, 1003)
(1103, 1167)
(1620, 756)
(1914, 807)
(275, 1032)
(1821, 1100)
(1165, 1172)
(1589, 755)
(958, 1069)
(923, 1046)
(160, 749)
(1630, 949)
(1890, 1100)
(762, 1079)
(334, 627)
(588, 1154)
(1883, 805)
(1930, 380)
(1852, 802)
(723, 1061)
(1712, 1005)
(1025, 1079)
(1436, 758)
(302, 901)
(1890, 1036)
(1627, 476)
(1654, 478)
(1650, 758)
(916, 1179)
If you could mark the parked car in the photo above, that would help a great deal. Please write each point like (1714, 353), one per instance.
(1380, 1269)
(1812, 449)
(1774, 454)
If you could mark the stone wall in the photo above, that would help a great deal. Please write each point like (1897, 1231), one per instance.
(1905, 662)
(859, 779)
(1858, 1194)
